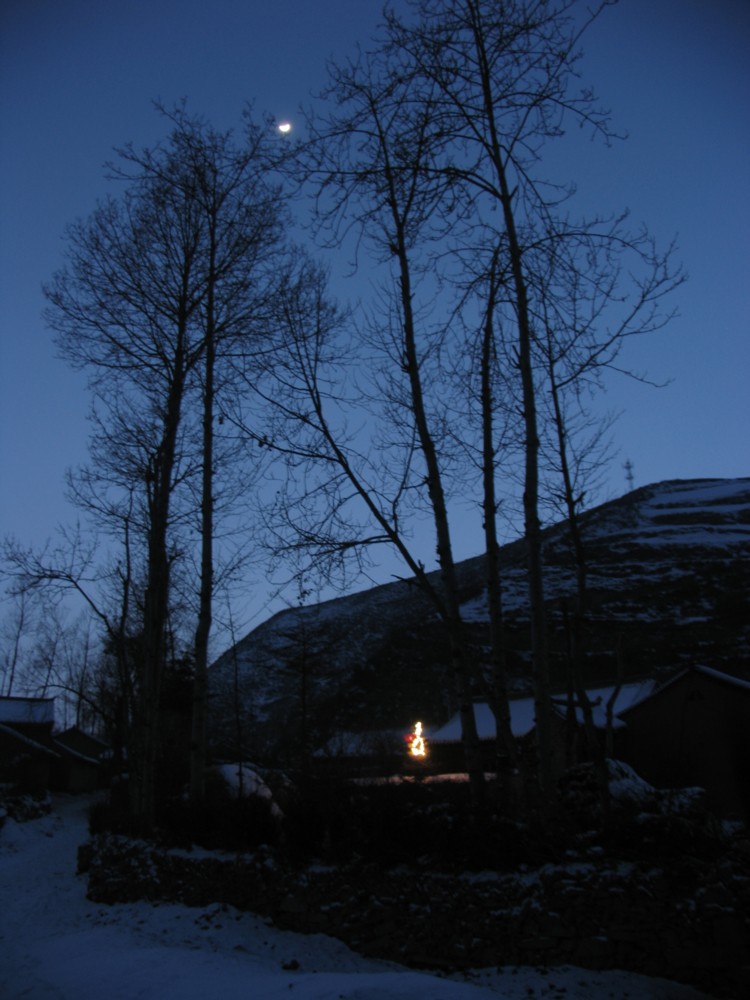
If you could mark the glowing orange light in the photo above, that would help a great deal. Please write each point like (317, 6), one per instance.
(417, 747)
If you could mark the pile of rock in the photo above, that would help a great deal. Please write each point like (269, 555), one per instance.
(687, 921)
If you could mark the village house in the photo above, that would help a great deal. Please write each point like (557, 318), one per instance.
(34, 759)
(694, 730)
(26, 756)
(569, 742)
(82, 759)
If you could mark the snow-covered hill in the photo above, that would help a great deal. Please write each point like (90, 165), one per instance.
(57, 945)
(669, 585)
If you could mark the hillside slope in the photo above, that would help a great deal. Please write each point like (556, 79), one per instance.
(669, 582)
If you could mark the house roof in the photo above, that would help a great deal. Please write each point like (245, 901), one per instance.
(521, 722)
(68, 751)
(26, 710)
(80, 742)
(14, 734)
(628, 695)
(742, 686)
(523, 713)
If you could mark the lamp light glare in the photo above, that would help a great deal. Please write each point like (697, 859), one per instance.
(417, 746)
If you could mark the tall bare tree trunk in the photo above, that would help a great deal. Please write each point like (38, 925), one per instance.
(198, 744)
(456, 631)
(156, 609)
(596, 750)
(532, 526)
(505, 741)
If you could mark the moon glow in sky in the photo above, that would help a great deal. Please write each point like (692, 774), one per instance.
(672, 72)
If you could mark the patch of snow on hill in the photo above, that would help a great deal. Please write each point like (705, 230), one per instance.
(701, 502)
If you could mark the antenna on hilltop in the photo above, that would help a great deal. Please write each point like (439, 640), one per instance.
(629, 477)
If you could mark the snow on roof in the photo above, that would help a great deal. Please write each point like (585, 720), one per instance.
(521, 722)
(39, 710)
(523, 715)
(717, 675)
(628, 695)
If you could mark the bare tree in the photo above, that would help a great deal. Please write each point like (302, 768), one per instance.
(370, 162)
(501, 79)
(64, 654)
(123, 309)
(498, 696)
(160, 285)
(242, 217)
(430, 164)
(588, 314)
(16, 625)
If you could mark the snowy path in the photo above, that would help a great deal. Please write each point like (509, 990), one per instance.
(57, 945)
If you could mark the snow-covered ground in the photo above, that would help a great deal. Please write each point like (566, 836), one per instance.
(54, 943)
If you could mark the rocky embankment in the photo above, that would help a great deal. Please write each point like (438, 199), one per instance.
(687, 920)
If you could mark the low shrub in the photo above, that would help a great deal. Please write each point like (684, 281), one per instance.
(23, 808)
(401, 823)
(428, 823)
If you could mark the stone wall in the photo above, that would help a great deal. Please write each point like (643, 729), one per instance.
(687, 921)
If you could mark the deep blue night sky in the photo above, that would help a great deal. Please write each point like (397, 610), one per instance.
(77, 77)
